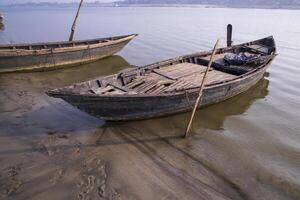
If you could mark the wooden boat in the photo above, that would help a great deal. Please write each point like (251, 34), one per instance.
(170, 86)
(52, 55)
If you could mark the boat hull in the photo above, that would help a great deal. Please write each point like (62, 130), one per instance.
(50, 59)
(127, 102)
(143, 107)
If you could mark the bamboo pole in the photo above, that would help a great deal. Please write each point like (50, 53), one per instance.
(74, 22)
(201, 89)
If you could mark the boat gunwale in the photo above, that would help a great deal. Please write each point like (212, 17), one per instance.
(176, 93)
(64, 43)
(6, 53)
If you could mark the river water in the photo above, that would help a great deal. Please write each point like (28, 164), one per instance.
(247, 147)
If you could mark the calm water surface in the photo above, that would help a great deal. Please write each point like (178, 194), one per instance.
(247, 147)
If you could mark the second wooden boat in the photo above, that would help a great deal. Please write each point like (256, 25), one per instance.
(172, 86)
(52, 55)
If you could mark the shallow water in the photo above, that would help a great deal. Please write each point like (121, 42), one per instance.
(247, 147)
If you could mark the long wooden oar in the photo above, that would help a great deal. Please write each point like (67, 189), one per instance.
(74, 22)
(201, 89)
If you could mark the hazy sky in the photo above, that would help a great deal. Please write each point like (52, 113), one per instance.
(24, 1)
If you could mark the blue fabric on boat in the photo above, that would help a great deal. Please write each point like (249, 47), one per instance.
(240, 58)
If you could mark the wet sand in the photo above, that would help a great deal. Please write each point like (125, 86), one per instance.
(50, 150)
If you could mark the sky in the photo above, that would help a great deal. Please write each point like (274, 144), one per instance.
(24, 1)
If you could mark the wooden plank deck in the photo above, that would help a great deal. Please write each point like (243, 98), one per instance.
(167, 79)
(180, 70)
(195, 80)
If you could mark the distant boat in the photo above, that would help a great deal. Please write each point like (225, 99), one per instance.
(172, 86)
(52, 55)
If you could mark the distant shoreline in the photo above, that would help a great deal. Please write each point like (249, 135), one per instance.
(210, 6)
(114, 4)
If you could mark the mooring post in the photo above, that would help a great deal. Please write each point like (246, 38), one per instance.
(229, 35)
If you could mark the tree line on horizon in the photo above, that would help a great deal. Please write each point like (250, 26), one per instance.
(218, 2)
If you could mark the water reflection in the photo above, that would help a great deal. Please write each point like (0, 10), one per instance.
(70, 75)
(213, 117)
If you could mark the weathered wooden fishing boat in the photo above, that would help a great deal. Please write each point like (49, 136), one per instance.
(42, 56)
(171, 86)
